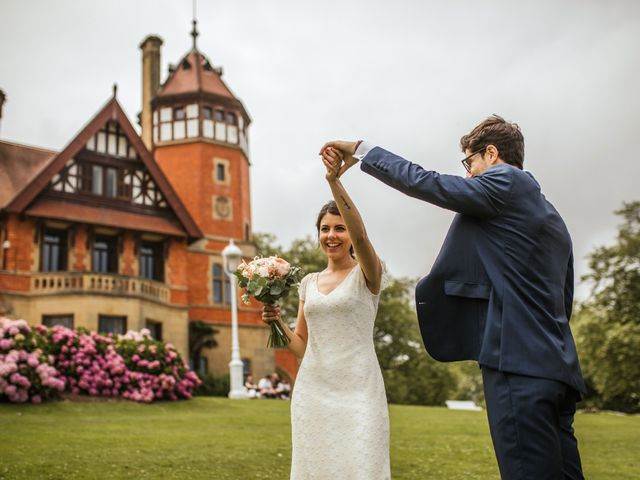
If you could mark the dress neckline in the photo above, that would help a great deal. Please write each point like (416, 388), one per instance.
(338, 285)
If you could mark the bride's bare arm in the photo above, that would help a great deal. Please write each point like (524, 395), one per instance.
(367, 256)
(298, 337)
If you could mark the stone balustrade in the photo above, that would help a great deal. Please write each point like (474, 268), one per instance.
(109, 284)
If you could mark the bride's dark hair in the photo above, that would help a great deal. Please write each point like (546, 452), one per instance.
(332, 208)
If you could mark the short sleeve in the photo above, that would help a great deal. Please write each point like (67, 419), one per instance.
(302, 289)
(385, 281)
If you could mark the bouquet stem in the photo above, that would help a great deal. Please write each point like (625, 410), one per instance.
(277, 337)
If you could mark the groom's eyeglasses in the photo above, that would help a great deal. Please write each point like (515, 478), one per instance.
(465, 161)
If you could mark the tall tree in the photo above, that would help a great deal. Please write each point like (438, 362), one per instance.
(608, 323)
(410, 375)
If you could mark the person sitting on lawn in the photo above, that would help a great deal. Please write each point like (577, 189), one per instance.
(252, 388)
(265, 388)
(284, 389)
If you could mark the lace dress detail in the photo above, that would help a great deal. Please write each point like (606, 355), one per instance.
(339, 415)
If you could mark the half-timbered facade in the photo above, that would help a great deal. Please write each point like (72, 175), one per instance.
(124, 231)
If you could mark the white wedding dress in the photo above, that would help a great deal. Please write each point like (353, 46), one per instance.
(339, 415)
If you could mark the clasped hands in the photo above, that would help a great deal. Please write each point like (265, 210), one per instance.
(337, 157)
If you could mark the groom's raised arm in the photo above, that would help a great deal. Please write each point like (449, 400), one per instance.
(481, 196)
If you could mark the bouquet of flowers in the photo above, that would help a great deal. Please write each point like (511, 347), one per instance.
(268, 280)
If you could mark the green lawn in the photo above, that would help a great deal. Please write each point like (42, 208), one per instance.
(214, 438)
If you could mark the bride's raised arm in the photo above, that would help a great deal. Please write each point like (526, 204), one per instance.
(366, 254)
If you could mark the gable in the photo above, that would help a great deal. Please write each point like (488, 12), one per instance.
(107, 167)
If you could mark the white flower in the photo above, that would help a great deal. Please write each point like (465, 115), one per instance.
(263, 271)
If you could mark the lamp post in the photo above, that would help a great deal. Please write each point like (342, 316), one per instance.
(232, 256)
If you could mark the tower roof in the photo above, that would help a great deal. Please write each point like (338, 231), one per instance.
(195, 73)
(195, 76)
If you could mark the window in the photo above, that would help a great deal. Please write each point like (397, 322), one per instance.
(155, 328)
(231, 118)
(111, 189)
(151, 261)
(221, 287)
(207, 113)
(101, 180)
(220, 172)
(53, 320)
(246, 367)
(112, 140)
(166, 132)
(96, 180)
(54, 250)
(105, 254)
(192, 120)
(179, 113)
(112, 324)
(179, 122)
(218, 115)
(203, 365)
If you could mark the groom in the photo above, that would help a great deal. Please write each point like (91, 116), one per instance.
(500, 292)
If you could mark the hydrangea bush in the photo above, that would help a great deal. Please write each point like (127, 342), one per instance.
(26, 371)
(38, 363)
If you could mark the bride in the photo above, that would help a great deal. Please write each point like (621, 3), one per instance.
(339, 416)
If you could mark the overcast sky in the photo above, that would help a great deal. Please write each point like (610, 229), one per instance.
(412, 76)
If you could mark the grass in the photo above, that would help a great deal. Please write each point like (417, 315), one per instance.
(215, 438)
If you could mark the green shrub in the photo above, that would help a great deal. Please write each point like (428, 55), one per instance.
(214, 385)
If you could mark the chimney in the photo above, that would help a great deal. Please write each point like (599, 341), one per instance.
(3, 97)
(150, 47)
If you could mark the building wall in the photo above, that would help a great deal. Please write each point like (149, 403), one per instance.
(190, 166)
(87, 308)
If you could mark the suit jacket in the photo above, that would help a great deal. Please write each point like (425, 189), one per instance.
(501, 289)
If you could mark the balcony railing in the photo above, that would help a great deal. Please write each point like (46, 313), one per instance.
(100, 283)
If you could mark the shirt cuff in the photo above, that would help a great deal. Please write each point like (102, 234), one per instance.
(363, 149)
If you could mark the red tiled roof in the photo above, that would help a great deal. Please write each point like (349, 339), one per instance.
(61, 210)
(195, 73)
(19, 164)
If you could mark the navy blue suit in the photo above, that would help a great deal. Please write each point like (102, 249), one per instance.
(500, 292)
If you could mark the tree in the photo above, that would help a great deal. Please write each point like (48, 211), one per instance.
(608, 324)
(411, 376)
(201, 337)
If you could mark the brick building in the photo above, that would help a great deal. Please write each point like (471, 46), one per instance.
(123, 231)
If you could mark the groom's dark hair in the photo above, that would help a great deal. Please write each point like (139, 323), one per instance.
(505, 136)
(332, 208)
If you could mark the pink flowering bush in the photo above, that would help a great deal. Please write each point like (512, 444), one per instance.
(156, 369)
(26, 372)
(88, 360)
(133, 366)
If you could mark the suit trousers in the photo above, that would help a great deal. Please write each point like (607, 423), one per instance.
(531, 424)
